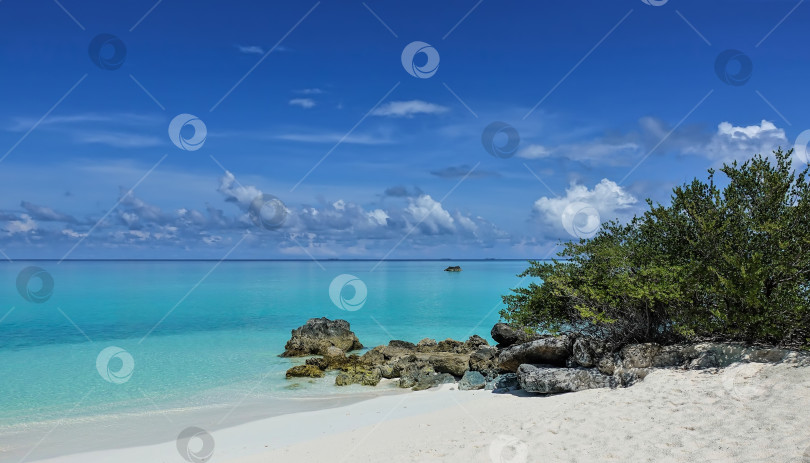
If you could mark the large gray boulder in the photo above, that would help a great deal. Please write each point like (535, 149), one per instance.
(485, 360)
(767, 355)
(412, 372)
(586, 351)
(639, 355)
(472, 380)
(553, 350)
(445, 362)
(504, 383)
(626, 377)
(433, 380)
(607, 364)
(507, 335)
(419, 376)
(713, 355)
(544, 379)
(317, 335)
(669, 356)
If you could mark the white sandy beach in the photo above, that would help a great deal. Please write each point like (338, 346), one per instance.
(745, 413)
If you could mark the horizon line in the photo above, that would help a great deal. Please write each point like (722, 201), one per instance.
(271, 260)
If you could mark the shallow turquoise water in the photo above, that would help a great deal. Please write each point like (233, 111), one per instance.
(219, 341)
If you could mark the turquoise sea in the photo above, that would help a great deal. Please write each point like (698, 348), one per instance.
(181, 335)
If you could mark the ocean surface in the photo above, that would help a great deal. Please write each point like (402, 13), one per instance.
(131, 338)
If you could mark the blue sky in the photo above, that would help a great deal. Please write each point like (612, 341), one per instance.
(613, 102)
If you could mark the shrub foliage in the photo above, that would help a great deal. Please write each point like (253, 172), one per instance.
(725, 263)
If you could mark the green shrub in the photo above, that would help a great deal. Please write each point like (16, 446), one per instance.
(730, 263)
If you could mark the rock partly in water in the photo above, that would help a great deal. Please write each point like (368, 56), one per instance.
(453, 268)
(318, 362)
(545, 379)
(304, 371)
(507, 335)
(317, 335)
(472, 380)
(334, 359)
(374, 357)
(364, 376)
(551, 350)
(394, 368)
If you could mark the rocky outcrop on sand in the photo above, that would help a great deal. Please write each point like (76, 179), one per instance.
(551, 380)
(537, 364)
(317, 335)
(418, 366)
(593, 365)
(506, 382)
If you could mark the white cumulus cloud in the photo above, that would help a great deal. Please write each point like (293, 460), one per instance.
(24, 225)
(409, 108)
(430, 216)
(534, 152)
(581, 210)
(305, 103)
(250, 49)
(732, 142)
